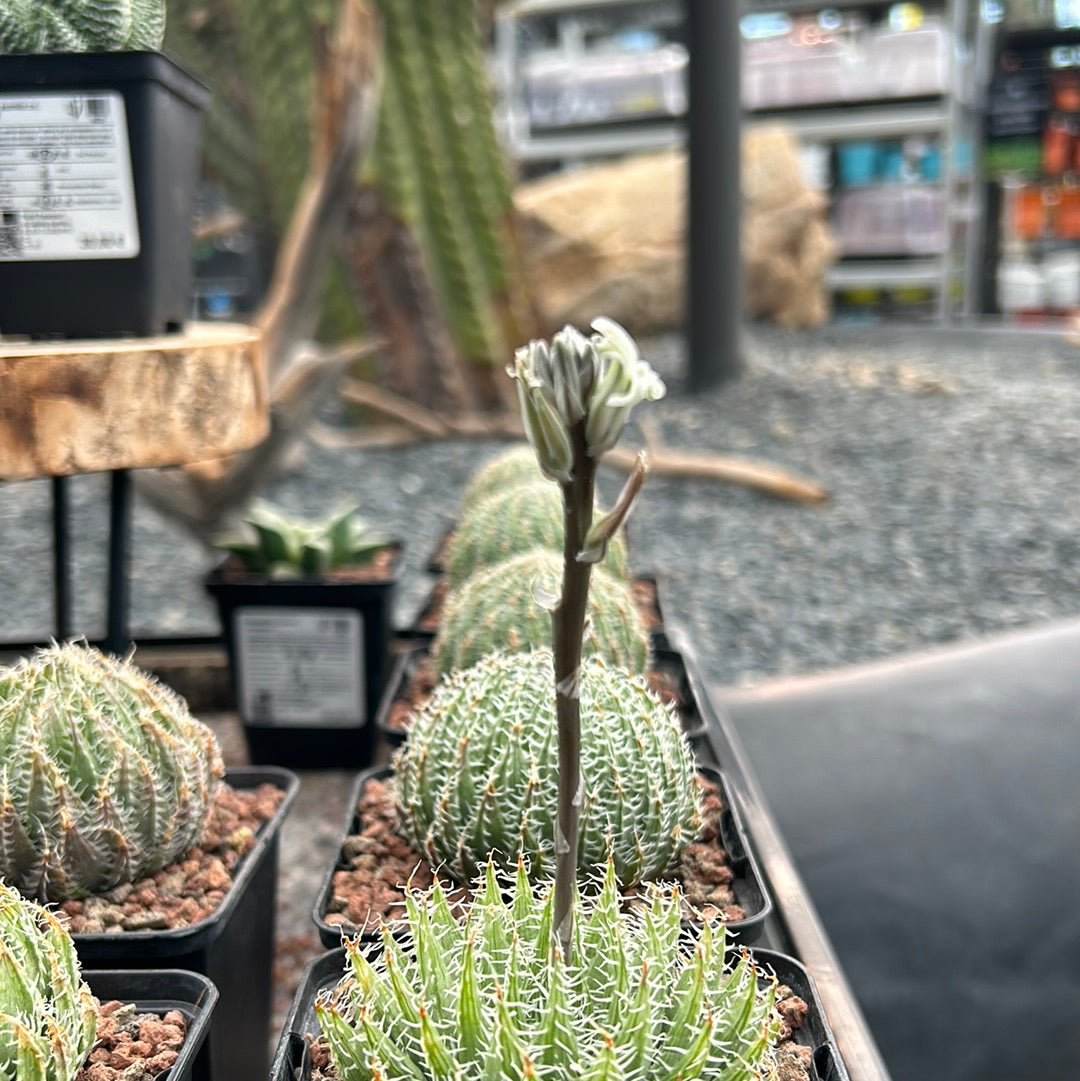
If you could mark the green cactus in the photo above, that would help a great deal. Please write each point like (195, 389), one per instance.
(477, 773)
(80, 26)
(486, 998)
(517, 465)
(511, 522)
(281, 547)
(48, 1016)
(104, 775)
(501, 608)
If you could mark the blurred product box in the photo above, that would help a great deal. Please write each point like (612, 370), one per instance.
(910, 63)
(600, 87)
(890, 219)
(810, 64)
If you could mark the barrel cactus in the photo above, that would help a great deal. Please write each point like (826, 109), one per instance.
(477, 773)
(80, 26)
(509, 522)
(517, 465)
(488, 998)
(48, 1016)
(105, 777)
(500, 608)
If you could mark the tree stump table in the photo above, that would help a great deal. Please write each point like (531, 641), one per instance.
(110, 406)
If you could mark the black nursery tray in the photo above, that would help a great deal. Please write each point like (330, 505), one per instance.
(678, 671)
(749, 888)
(292, 1059)
(233, 946)
(159, 991)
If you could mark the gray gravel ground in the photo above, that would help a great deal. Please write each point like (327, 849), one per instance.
(950, 458)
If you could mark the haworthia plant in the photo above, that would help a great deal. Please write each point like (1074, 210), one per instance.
(105, 776)
(78, 26)
(477, 775)
(504, 607)
(278, 546)
(48, 1016)
(513, 521)
(486, 998)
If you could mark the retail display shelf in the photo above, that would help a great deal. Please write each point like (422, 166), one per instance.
(853, 273)
(847, 121)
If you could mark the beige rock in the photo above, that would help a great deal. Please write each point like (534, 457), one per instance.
(610, 238)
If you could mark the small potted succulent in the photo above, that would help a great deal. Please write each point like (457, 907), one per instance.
(103, 132)
(542, 969)
(57, 1022)
(116, 807)
(305, 610)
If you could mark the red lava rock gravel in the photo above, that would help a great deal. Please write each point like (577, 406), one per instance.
(132, 1046)
(188, 891)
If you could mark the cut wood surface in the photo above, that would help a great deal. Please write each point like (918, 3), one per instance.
(88, 406)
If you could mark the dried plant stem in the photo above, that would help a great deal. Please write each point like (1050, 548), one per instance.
(568, 627)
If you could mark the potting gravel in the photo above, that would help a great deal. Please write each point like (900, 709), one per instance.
(950, 459)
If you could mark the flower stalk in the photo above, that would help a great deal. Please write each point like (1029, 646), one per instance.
(576, 395)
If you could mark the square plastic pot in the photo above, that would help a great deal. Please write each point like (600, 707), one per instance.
(102, 280)
(308, 661)
(749, 887)
(233, 947)
(292, 1062)
(159, 991)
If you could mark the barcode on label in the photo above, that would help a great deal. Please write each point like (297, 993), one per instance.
(11, 237)
(97, 108)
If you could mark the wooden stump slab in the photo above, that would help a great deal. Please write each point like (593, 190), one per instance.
(88, 406)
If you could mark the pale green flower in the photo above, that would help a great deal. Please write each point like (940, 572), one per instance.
(598, 380)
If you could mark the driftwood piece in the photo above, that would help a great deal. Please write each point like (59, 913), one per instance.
(410, 423)
(206, 497)
(89, 406)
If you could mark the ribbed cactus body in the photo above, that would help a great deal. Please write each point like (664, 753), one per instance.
(509, 467)
(513, 521)
(478, 772)
(487, 998)
(104, 775)
(500, 608)
(75, 26)
(48, 1017)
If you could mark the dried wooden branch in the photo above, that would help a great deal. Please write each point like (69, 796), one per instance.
(411, 423)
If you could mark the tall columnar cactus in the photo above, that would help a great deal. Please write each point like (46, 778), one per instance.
(513, 521)
(478, 772)
(517, 465)
(79, 26)
(487, 998)
(105, 777)
(503, 607)
(48, 1016)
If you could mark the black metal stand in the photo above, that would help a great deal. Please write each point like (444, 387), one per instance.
(118, 596)
(714, 286)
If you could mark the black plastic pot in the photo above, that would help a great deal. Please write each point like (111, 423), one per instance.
(234, 947)
(679, 673)
(100, 280)
(292, 1062)
(309, 660)
(159, 991)
(748, 886)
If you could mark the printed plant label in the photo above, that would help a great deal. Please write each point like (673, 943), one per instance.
(300, 667)
(65, 178)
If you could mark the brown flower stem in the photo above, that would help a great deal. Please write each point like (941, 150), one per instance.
(568, 628)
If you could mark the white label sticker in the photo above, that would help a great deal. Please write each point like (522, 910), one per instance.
(301, 667)
(65, 178)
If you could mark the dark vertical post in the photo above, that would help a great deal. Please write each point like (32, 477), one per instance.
(116, 632)
(714, 286)
(61, 559)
